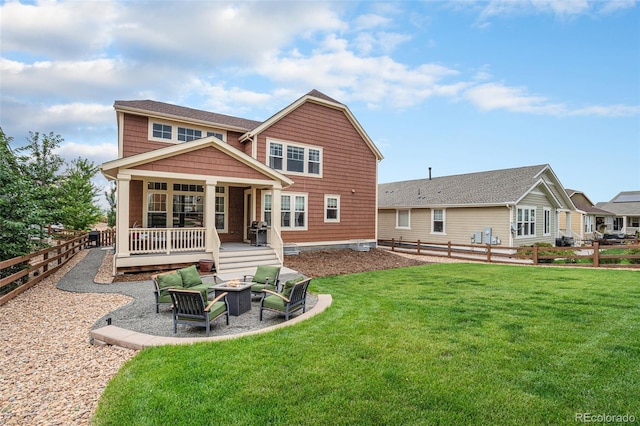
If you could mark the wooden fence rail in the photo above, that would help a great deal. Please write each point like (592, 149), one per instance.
(590, 256)
(32, 268)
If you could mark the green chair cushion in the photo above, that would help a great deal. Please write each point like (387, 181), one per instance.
(216, 309)
(190, 276)
(257, 288)
(169, 280)
(164, 297)
(288, 286)
(274, 302)
(264, 272)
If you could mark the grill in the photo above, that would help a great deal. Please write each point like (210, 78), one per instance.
(258, 233)
(93, 238)
(564, 241)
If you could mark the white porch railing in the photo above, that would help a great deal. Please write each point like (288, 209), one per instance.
(166, 240)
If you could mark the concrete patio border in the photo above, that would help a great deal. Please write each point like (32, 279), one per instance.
(117, 336)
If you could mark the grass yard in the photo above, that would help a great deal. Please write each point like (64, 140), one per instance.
(435, 344)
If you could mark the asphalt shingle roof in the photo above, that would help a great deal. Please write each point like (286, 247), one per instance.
(623, 204)
(491, 187)
(190, 113)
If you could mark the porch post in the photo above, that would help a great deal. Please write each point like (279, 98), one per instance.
(210, 216)
(568, 216)
(122, 218)
(276, 236)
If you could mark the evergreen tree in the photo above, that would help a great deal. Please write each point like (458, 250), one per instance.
(78, 198)
(111, 199)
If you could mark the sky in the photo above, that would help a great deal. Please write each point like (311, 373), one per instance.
(458, 86)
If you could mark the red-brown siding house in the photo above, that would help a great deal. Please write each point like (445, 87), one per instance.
(190, 182)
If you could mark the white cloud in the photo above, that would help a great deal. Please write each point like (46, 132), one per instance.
(496, 96)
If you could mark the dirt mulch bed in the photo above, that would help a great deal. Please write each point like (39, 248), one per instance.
(321, 263)
(346, 261)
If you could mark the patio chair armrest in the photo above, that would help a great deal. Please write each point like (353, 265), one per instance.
(276, 294)
(217, 299)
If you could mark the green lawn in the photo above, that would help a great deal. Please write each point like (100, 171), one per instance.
(436, 344)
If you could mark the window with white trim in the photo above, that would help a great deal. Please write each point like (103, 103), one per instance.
(526, 222)
(547, 221)
(162, 131)
(588, 224)
(633, 221)
(403, 219)
(173, 132)
(266, 208)
(294, 158)
(221, 208)
(332, 208)
(156, 204)
(186, 134)
(437, 221)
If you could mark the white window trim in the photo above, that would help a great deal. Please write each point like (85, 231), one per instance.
(225, 195)
(326, 207)
(306, 147)
(398, 218)
(444, 222)
(535, 221)
(293, 195)
(174, 131)
(546, 225)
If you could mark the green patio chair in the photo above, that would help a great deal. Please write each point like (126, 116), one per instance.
(191, 308)
(292, 299)
(266, 277)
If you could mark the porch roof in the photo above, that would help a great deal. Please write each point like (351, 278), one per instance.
(110, 169)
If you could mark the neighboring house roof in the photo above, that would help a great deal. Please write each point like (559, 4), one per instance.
(322, 99)
(180, 113)
(584, 204)
(626, 203)
(496, 187)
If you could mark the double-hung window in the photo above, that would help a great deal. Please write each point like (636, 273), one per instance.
(437, 221)
(547, 221)
(403, 219)
(526, 222)
(294, 158)
(332, 208)
(221, 208)
(293, 211)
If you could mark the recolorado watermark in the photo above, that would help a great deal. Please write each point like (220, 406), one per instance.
(604, 418)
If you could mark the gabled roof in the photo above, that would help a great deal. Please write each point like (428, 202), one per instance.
(318, 98)
(180, 113)
(110, 167)
(491, 188)
(585, 205)
(626, 203)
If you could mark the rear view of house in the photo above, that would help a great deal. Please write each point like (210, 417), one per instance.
(191, 183)
(513, 207)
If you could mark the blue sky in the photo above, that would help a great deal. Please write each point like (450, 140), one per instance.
(460, 86)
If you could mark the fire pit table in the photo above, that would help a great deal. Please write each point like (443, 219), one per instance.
(239, 295)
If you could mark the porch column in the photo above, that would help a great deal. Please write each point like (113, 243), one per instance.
(568, 220)
(122, 218)
(276, 207)
(210, 216)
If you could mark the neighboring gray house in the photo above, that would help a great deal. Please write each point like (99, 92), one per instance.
(512, 207)
(587, 220)
(626, 207)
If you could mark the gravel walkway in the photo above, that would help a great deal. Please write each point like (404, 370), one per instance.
(50, 374)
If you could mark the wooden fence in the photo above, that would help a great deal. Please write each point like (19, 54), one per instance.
(589, 256)
(32, 268)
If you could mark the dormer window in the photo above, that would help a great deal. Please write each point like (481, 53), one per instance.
(176, 133)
